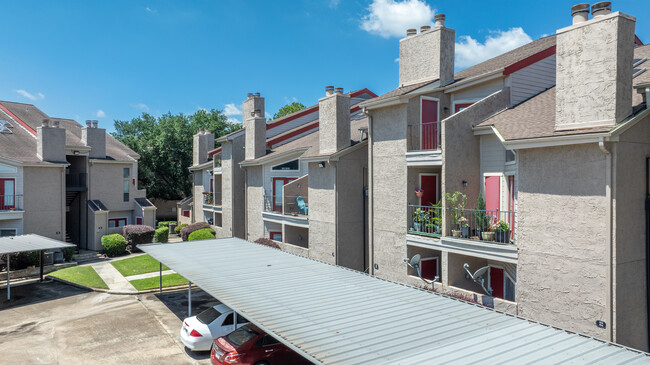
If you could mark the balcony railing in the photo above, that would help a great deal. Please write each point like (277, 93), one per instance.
(423, 136)
(425, 220)
(11, 202)
(297, 206)
(211, 198)
(492, 226)
(76, 180)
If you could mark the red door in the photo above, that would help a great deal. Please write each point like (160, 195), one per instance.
(429, 120)
(278, 183)
(492, 194)
(429, 183)
(7, 194)
(496, 282)
(429, 268)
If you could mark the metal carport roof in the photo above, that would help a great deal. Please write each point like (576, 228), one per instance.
(333, 315)
(29, 242)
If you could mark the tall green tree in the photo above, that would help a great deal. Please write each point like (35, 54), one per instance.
(165, 148)
(288, 109)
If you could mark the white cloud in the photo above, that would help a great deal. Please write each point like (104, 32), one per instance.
(149, 10)
(141, 106)
(231, 109)
(390, 18)
(397, 60)
(233, 120)
(469, 51)
(290, 100)
(32, 97)
(100, 114)
(267, 115)
(334, 4)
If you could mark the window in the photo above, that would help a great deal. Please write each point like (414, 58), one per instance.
(186, 213)
(127, 178)
(127, 172)
(510, 156)
(116, 222)
(269, 341)
(278, 183)
(241, 319)
(460, 106)
(7, 232)
(5, 127)
(208, 315)
(241, 335)
(276, 236)
(228, 321)
(287, 166)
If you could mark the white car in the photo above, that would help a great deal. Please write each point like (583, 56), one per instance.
(199, 331)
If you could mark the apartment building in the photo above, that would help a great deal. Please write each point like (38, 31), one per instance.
(256, 184)
(553, 139)
(64, 181)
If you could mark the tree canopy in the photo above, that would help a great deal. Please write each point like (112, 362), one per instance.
(288, 109)
(165, 148)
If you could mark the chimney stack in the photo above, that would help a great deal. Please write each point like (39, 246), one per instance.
(580, 13)
(95, 138)
(333, 121)
(594, 69)
(255, 124)
(428, 55)
(50, 142)
(202, 143)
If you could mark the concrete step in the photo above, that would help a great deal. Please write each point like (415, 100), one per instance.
(88, 256)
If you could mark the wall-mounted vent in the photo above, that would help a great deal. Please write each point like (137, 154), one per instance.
(5, 127)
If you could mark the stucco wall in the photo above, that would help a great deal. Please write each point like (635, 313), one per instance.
(350, 223)
(197, 192)
(630, 236)
(44, 189)
(563, 237)
(106, 184)
(322, 212)
(238, 189)
(226, 188)
(389, 191)
(254, 203)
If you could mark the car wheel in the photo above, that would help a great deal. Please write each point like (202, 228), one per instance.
(262, 363)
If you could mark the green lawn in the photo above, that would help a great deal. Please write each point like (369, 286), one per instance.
(82, 275)
(154, 283)
(137, 265)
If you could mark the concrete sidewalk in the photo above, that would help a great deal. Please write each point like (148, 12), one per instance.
(146, 275)
(113, 278)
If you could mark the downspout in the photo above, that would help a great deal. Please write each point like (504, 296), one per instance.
(371, 236)
(336, 213)
(610, 248)
(647, 247)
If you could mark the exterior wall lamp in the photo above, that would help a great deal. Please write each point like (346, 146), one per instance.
(464, 183)
(321, 164)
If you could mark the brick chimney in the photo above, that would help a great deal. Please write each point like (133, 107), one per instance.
(333, 120)
(255, 125)
(594, 68)
(95, 138)
(428, 55)
(50, 145)
(202, 143)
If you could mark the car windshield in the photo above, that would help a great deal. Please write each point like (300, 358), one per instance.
(208, 315)
(241, 335)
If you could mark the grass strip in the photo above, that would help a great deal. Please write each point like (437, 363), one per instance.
(137, 265)
(82, 275)
(154, 283)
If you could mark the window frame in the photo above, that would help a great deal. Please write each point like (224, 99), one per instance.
(9, 229)
(506, 276)
(284, 163)
(126, 222)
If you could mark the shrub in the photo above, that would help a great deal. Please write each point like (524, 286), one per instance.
(68, 252)
(23, 260)
(165, 223)
(267, 242)
(185, 232)
(179, 228)
(136, 235)
(202, 234)
(161, 235)
(113, 244)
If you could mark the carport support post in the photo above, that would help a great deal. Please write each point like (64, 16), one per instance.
(8, 278)
(160, 278)
(42, 263)
(189, 299)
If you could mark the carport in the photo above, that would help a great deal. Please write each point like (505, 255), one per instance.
(24, 243)
(333, 315)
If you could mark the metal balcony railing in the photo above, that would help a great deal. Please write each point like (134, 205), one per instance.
(425, 220)
(297, 206)
(211, 198)
(11, 202)
(423, 136)
(494, 226)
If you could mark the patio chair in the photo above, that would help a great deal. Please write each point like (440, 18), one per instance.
(302, 205)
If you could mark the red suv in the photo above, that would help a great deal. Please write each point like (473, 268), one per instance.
(249, 345)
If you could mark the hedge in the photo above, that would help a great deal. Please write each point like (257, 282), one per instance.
(68, 253)
(165, 223)
(161, 235)
(23, 260)
(267, 242)
(179, 228)
(202, 234)
(136, 235)
(185, 232)
(113, 244)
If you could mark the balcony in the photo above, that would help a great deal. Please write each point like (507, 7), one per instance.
(212, 202)
(489, 226)
(291, 210)
(76, 182)
(423, 144)
(11, 207)
(425, 221)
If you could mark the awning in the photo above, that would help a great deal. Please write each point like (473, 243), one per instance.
(24, 243)
(333, 315)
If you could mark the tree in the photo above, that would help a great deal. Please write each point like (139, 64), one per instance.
(288, 109)
(165, 148)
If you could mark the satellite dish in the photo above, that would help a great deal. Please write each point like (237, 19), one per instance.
(477, 277)
(415, 260)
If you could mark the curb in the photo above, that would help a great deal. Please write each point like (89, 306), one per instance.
(120, 292)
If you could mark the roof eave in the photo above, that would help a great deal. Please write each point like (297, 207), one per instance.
(274, 157)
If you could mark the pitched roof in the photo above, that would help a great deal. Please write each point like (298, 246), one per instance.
(21, 144)
(535, 117)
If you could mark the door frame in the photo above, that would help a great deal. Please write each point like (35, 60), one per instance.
(3, 193)
(437, 100)
(505, 276)
(501, 176)
(437, 175)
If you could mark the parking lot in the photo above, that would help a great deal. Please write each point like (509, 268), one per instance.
(49, 323)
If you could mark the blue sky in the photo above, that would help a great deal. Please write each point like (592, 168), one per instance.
(115, 59)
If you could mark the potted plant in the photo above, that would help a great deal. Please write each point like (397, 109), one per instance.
(464, 227)
(419, 192)
(419, 216)
(436, 216)
(487, 235)
(481, 217)
(501, 230)
(456, 206)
